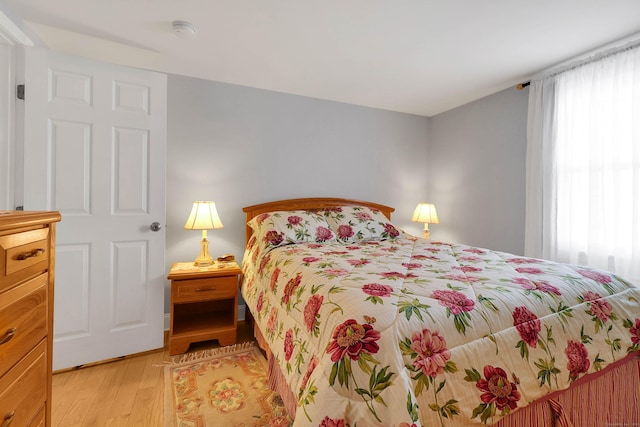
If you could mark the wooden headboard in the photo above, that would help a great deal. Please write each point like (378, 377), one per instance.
(312, 203)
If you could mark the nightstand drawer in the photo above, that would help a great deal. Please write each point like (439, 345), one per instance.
(23, 320)
(205, 289)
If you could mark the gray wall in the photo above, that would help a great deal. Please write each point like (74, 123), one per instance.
(476, 168)
(241, 146)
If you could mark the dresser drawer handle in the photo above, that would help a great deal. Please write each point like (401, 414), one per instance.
(32, 254)
(212, 288)
(11, 332)
(8, 419)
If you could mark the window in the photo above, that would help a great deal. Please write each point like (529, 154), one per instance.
(590, 144)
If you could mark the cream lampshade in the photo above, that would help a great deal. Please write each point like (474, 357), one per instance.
(426, 213)
(204, 216)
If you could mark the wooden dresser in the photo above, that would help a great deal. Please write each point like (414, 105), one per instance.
(27, 248)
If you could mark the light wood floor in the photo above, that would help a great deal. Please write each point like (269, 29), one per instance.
(128, 392)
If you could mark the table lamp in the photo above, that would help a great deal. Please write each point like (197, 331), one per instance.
(426, 213)
(204, 216)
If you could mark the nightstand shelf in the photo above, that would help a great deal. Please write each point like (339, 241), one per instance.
(204, 305)
(209, 320)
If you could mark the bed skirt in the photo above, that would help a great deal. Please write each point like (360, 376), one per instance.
(608, 398)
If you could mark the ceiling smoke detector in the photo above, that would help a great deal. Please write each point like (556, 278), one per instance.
(184, 29)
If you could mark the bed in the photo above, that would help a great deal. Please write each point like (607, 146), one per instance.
(365, 325)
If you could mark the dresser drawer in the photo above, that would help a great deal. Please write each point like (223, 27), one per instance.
(40, 419)
(23, 255)
(23, 390)
(205, 289)
(23, 320)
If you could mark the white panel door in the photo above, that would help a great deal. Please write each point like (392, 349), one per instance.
(95, 149)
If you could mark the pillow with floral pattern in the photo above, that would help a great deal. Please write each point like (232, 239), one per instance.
(281, 228)
(352, 224)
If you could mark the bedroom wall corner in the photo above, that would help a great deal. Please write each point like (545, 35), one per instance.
(476, 171)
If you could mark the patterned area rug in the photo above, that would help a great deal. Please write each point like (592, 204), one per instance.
(221, 387)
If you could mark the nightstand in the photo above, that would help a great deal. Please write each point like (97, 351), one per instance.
(204, 304)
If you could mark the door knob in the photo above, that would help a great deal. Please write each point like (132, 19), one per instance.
(155, 226)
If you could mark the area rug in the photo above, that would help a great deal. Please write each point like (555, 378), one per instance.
(221, 387)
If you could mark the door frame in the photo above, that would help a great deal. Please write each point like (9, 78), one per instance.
(11, 113)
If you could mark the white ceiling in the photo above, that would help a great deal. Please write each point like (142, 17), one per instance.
(414, 56)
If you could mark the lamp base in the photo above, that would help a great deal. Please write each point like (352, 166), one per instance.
(203, 263)
(426, 230)
(204, 259)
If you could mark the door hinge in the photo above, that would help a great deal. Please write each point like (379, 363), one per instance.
(20, 92)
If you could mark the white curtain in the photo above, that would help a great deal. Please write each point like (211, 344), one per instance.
(583, 164)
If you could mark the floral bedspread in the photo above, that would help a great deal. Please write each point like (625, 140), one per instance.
(410, 332)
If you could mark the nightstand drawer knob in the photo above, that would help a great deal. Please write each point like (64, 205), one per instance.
(11, 332)
(212, 288)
